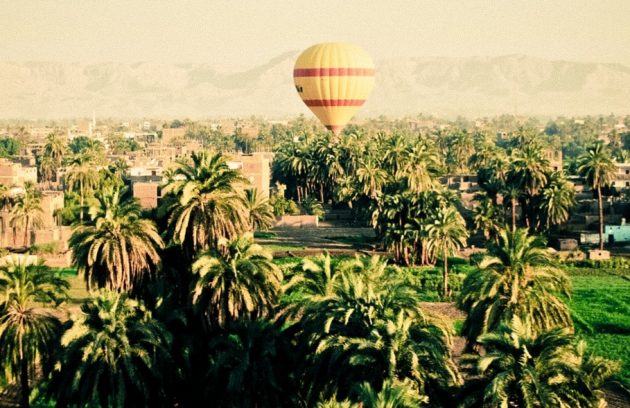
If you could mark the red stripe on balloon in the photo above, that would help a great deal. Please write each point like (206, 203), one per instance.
(334, 102)
(311, 72)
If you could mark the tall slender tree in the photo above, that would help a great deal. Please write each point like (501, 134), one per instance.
(235, 280)
(598, 168)
(116, 249)
(203, 204)
(28, 332)
(550, 369)
(517, 278)
(112, 355)
(371, 328)
(260, 212)
(27, 210)
(446, 232)
(82, 174)
(7, 199)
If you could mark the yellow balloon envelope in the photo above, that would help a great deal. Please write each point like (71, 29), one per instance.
(334, 80)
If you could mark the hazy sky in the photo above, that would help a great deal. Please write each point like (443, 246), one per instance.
(246, 33)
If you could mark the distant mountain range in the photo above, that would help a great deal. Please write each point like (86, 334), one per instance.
(472, 86)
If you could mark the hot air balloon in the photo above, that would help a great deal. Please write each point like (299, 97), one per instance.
(334, 80)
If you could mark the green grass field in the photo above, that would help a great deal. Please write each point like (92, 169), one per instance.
(601, 312)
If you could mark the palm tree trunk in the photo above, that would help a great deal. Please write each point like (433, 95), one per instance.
(513, 214)
(445, 272)
(24, 389)
(3, 226)
(601, 218)
(321, 192)
(81, 202)
(26, 231)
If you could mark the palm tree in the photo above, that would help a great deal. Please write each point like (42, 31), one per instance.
(111, 355)
(28, 334)
(202, 202)
(371, 328)
(546, 370)
(460, 149)
(317, 276)
(486, 218)
(251, 365)
(447, 231)
(82, 173)
(423, 166)
(116, 249)
(394, 393)
(6, 202)
(598, 168)
(47, 169)
(236, 280)
(371, 177)
(54, 151)
(398, 394)
(55, 148)
(528, 171)
(260, 211)
(27, 210)
(513, 192)
(557, 200)
(517, 278)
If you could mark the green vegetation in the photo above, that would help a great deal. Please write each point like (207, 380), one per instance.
(201, 315)
(600, 307)
(9, 146)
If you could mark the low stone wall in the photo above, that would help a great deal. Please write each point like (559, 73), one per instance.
(57, 260)
(596, 254)
(297, 221)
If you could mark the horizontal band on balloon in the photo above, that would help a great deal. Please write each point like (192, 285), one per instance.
(315, 72)
(334, 102)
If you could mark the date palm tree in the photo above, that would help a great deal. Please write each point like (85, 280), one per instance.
(371, 177)
(446, 232)
(82, 174)
(236, 280)
(47, 169)
(54, 151)
(116, 249)
(598, 168)
(370, 329)
(111, 355)
(251, 365)
(202, 202)
(26, 211)
(55, 148)
(557, 200)
(6, 202)
(260, 212)
(29, 331)
(517, 278)
(550, 369)
(486, 218)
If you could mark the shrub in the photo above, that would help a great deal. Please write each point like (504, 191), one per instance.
(47, 248)
(311, 206)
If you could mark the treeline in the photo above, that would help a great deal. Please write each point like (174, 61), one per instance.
(201, 315)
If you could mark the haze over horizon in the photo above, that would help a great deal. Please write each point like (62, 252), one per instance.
(174, 58)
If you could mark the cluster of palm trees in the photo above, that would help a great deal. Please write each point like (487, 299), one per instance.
(201, 315)
(22, 207)
(395, 179)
